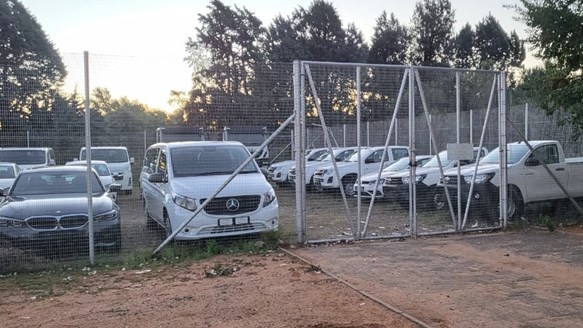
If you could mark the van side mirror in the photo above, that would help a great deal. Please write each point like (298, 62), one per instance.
(531, 161)
(157, 177)
(132, 160)
(52, 162)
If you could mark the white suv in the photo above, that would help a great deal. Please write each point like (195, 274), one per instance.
(178, 177)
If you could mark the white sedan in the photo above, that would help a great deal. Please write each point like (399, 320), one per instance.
(8, 173)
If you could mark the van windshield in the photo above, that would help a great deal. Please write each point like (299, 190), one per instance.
(107, 155)
(23, 157)
(209, 160)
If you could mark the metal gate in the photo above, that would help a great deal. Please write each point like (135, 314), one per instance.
(451, 116)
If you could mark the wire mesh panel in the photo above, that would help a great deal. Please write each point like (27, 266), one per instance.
(46, 216)
(398, 122)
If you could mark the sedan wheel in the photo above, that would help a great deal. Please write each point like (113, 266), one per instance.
(167, 225)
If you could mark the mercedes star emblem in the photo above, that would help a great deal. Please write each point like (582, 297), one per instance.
(232, 204)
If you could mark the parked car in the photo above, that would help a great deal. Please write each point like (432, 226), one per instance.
(426, 178)
(177, 178)
(325, 177)
(103, 172)
(368, 181)
(8, 173)
(119, 162)
(48, 206)
(340, 155)
(528, 181)
(28, 157)
(278, 172)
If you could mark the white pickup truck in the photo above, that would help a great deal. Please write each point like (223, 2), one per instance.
(370, 161)
(278, 172)
(528, 180)
(426, 179)
(339, 155)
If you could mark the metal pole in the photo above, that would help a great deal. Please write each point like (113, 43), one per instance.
(504, 152)
(88, 158)
(457, 140)
(299, 151)
(343, 135)
(472, 126)
(27, 138)
(359, 170)
(412, 168)
(526, 121)
(396, 133)
(430, 141)
(367, 131)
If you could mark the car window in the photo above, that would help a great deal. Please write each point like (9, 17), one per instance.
(400, 153)
(101, 169)
(150, 159)
(112, 155)
(57, 182)
(6, 172)
(209, 160)
(548, 154)
(23, 157)
(162, 164)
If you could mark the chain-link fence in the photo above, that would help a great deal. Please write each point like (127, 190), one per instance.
(347, 115)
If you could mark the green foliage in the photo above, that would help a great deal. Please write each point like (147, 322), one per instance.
(390, 41)
(556, 30)
(432, 30)
(31, 70)
(465, 47)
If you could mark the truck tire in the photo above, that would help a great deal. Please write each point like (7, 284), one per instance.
(515, 203)
(348, 185)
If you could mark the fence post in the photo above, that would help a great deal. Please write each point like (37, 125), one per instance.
(88, 157)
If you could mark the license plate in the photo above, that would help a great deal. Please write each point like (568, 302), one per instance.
(233, 221)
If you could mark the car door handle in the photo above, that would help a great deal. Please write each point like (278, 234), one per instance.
(531, 173)
(560, 169)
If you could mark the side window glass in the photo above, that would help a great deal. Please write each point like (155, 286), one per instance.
(162, 165)
(150, 160)
(549, 154)
(400, 153)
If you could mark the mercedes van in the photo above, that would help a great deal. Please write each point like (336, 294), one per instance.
(178, 177)
(119, 162)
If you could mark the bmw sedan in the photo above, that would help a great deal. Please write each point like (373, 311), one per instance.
(48, 207)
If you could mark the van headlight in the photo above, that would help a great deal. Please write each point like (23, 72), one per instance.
(480, 178)
(268, 197)
(184, 202)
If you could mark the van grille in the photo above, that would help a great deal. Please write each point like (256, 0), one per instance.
(218, 206)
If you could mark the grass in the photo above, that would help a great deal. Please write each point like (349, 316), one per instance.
(53, 278)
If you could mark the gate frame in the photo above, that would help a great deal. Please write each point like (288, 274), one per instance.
(302, 71)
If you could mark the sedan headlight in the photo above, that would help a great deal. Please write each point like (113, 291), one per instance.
(184, 202)
(418, 178)
(9, 222)
(107, 216)
(322, 171)
(268, 197)
(480, 178)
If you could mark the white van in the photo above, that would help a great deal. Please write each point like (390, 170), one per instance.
(28, 158)
(178, 177)
(119, 162)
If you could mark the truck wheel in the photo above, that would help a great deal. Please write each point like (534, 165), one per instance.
(348, 184)
(439, 200)
(515, 204)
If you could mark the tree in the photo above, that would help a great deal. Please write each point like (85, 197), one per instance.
(30, 67)
(465, 47)
(495, 49)
(556, 31)
(433, 22)
(390, 41)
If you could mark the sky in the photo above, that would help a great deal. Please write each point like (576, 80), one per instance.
(137, 47)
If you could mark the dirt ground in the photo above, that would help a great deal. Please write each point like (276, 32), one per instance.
(273, 290)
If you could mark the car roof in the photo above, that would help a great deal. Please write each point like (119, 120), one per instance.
(85, 162)
(60, 168)
(107, 147)
(179, 144)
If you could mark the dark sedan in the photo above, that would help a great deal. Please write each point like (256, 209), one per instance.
(47, 207)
